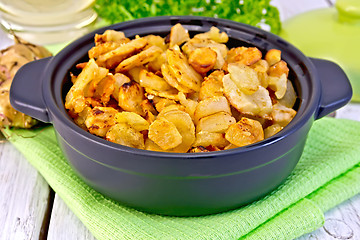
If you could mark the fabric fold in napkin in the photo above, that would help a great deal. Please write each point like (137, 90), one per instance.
(327, 174)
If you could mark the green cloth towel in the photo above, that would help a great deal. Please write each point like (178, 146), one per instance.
(327, 174)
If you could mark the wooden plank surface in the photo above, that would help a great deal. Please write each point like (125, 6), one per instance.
(24, 197)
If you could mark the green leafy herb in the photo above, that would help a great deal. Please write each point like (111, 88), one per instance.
(257, 13)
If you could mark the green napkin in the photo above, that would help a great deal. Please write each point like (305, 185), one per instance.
(327, 174)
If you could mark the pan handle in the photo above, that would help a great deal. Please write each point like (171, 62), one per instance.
(26, 90)
(336, 90)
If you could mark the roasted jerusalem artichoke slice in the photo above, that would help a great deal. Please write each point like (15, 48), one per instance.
(245, 132)
(256, 104)
(130, 97)
(124, 134)
(164, 133)
(100, 119)
(180, 68)
(75, 98)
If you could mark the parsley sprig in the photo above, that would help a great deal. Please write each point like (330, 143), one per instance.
(259, 13)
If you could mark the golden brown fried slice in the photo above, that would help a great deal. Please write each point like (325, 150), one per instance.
(105, 89)
(278, 85)
(134, 120)
(161, 103)
(75, 98)
(102, 48)
(279, 69)
(289, 98)
(181, 69)
(245, 132)
(112, 59)
(178, 35)
(272, 130)
(189, 104)
(153, 81)
(210, 106)
(154, 40)
(282, 115)
(120, 79)
(100, 119)
(130, 97)
(214, 34)
(220, 49)
(124, 134)
(217, 123)
(212, 85)
(245, 78)
(261, 67)
(244, 55)
(109, 36)
(257, 104)
(164, 134)
(139, 59)
(184, 125)
(169, 94)
(273, 56)
(172, 81)
(206, 139)
(203, 59)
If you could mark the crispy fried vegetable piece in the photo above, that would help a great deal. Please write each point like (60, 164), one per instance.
(184, 125)
(220, 49)
(214, 34)
(105, 88)
(100, 119)
(257, 104)
(124, 134)
(217, 123)
(139, 59)
(75, 98)
(120, 79)
(130, 97)
(109, 36)
(272, 130)
(181, 70)
(279, 69)
(189, 104)
(134, 120)
(178, 35)
(153, 81)
(113, 58)
(245, 78)
(210, 106)
(279, 85)
(206, 139)
(172, 81)
(244, 55)
(245, 132)
(164, 133)
(282, 115)
(154, 40)
(273, 56)
(203, 59)
(212, 85)
(289, 99)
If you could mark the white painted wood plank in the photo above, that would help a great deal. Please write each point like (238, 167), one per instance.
(64, 225)
(23, 196)
(341, 222)
(290, 8)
